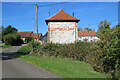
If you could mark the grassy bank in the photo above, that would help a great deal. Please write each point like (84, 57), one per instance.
(5, 46)
(64, 67)
(24, 50)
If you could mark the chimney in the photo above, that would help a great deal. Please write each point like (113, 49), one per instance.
(86, 29)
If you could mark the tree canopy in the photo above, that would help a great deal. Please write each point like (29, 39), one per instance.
(9, 29)
(109, 48)
(103, 27)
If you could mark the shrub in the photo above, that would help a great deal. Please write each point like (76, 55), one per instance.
(104, 57)
(12, 39)
(24, 50)
(29, 39)
(9, 29)
(77, 50)
(107, 53)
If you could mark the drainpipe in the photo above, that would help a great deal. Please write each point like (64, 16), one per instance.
(48, 34)
(75, 32)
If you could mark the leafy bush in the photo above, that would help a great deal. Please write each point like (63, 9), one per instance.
(9, 29)
(76, 51)
(29, 39)
(12, 39)
(24, 49)
(107, 52)
(104, 55)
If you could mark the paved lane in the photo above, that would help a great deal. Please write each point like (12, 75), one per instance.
(13, 67)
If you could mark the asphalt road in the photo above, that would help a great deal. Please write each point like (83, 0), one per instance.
(13, 67)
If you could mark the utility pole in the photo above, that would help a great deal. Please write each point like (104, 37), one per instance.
(34, 29)
(88, 31)
(37, 19)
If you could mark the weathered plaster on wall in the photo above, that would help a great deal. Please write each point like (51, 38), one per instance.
(62, 32)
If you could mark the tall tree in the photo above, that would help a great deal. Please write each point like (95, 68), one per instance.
(9, 29)
(103, 27)
(2, 29)
(108, 51)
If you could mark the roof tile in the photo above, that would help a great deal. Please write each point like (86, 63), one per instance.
(85, 33)
(25, 34)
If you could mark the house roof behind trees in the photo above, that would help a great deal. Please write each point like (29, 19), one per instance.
(25, 34)
(85, 33)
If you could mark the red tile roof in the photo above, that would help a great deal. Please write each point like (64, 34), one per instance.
(62, 15)
(85, 33)
(35, 35)
(25, 34)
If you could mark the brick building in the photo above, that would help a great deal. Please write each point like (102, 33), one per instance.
(62, 28)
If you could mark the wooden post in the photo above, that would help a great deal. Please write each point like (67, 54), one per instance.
(37, 19)
(88, 32)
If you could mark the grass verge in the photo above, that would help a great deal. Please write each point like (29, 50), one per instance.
(64, 67)
(25, 49)
(5, 46)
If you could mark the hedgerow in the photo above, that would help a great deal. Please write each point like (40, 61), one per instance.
(104, 55)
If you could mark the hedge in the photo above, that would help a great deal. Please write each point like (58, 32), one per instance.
(12, 39)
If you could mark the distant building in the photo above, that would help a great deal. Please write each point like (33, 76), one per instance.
(62, 28)
(44, 38)
(25, 34)
(35, 35)
(87, 36)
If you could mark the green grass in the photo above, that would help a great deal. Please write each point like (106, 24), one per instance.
(5, 46)
(24, 49)
(64, 67)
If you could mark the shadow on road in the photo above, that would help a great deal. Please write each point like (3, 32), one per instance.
(7, 56)
(10, 53)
